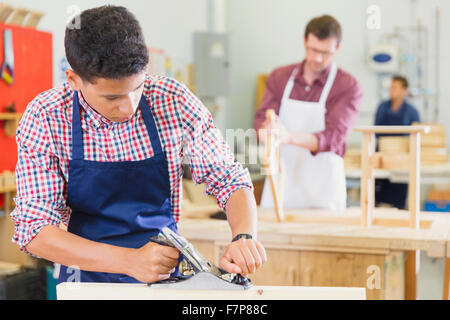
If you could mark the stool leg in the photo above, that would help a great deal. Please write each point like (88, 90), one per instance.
(367, 196)
(414, 180)
(447, 280)
(411, 272)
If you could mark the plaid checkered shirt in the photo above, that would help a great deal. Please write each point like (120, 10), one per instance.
(44, 142)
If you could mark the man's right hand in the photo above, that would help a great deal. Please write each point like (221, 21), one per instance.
(152, 262)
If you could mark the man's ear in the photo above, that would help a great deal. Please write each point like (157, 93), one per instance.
(73, 79)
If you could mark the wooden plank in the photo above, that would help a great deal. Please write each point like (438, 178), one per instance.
(446, 284)
(438, 195)
(10, 116)
(18, 16)
(435, 128)
(412, 264)
(393, 144)
(434, 141)
(446, 294)
(5, 12)
(393, 129)
(7, 189)
(260, 89)
(33, 19)
(125, 291)
(394, 161)
(367, 180)
(414, 180)
(272, 164)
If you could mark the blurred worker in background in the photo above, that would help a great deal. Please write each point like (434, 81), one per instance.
(316, 104)
(394, 112)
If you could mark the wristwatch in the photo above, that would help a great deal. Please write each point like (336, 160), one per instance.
(242, 235)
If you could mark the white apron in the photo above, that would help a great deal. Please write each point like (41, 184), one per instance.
(309, 181)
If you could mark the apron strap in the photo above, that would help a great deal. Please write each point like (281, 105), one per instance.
(151, 126)
(330, 80)
(289, 85)
(77, 134)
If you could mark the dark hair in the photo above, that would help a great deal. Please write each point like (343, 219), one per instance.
(324, 27)
(107, 43)
(402, 80)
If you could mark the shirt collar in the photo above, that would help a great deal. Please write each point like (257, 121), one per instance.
(322, 78)
(93, 117)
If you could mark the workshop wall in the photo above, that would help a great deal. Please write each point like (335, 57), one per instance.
(265, 34)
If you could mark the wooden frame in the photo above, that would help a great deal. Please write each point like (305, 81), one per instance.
(273, 168)
(371, 160)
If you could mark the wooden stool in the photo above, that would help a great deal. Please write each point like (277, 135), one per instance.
(371, 160)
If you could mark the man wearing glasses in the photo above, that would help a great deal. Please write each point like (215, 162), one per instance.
(316, 105)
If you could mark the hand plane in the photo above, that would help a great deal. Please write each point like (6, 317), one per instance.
(204, 275)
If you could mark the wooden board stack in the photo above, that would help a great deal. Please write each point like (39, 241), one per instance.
(352, 158)
(434, 145)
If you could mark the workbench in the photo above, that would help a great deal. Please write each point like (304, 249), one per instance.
(322, 248)
(126, 291)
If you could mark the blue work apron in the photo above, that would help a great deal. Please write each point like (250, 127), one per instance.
(118, 203)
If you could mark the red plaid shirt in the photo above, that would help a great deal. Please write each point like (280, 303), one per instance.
(44, 142)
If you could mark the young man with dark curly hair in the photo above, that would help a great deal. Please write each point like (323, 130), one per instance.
(104, 154)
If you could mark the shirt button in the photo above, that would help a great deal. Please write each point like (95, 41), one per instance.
(307, 88)
(111, 133)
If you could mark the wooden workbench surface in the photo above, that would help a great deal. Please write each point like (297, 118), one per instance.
(316, 229)
(119, 291)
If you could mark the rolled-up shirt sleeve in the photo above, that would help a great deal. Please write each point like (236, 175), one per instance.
(208, 155)
(341, 114)
(40, 197)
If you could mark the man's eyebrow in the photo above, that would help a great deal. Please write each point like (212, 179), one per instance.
(120, 95)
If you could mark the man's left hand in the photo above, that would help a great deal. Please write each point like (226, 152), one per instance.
(243, 256)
